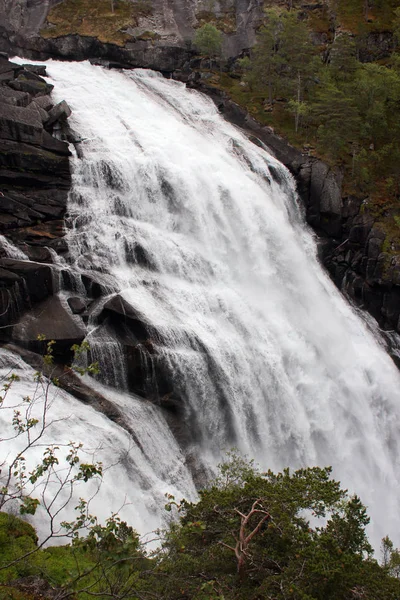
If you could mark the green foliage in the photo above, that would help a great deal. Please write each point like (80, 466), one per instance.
(345, 111)
(251, 536)
(208, 40)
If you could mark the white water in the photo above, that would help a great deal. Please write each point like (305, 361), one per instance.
(137, 473)
(266, 352)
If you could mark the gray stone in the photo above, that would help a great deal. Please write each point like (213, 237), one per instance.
(42, 114)
(374, 247)
(20, 124)
(59, 112)
(44, 102)
(9, 96)
(39, 70)
(51, 320)
(77, 305)
(38, 277)
(27, 82)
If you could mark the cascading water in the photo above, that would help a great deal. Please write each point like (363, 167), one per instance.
(184, 218)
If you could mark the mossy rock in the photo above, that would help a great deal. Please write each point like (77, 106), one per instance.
(95, 19)
(13, 527)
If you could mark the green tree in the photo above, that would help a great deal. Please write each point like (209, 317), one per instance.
(281, 536)
(283, 61)
(208, 40)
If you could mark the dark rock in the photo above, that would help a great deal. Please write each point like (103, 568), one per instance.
(374, 245)
(43, 115)
(59, 112)
(37, 253)
(54, 145)
(42, 234)
(28, 82)
(37, 277)
(93, 288)
(51, 320)
(26, 207)
(361, 228)
(20, 124)
(44, 102)
(119, 310)
(13, 97)
(23, 164)
(391, 306)
(36, 69)
(77, 305)
(6, 66)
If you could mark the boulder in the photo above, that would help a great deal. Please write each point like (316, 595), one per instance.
(13, 97)
(59, 112)
(126, 321)
(20, 124)
(43, 101)
(37, 278)
(28, 82)
(36, 69)
(42, 114)
(51, 320)
(77, 305)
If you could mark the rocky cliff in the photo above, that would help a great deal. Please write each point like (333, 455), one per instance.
(153, 34)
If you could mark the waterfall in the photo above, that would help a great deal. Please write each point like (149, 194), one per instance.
(200, 234)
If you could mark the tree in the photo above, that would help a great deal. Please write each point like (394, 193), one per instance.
(274, 536)
(283, 61)
(208, 40)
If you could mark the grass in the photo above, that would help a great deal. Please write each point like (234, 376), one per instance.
(95, 19)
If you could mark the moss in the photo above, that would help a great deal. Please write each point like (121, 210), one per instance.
(225, 23)
(95, 19)
(149, 35)
(16, 539)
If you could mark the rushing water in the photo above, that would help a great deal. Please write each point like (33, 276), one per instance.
(265, 351)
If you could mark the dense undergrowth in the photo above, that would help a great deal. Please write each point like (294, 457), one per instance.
(248, 537)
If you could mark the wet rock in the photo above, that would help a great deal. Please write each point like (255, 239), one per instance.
(24, 163)
(60, 112)
(120, 311)
(375, 244)
(20, 124)
(77, 305)
(361, 228)
(32, 84)
(52, 321)
(41, 113)
(36, 69)
(37, 278)
(37, 253)
(43, 102)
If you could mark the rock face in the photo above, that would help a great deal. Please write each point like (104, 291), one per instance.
(160, 40)
(34, 183)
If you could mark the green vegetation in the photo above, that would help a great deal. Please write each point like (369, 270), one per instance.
(251, 536)
(324, 100)
(208, 40)
(102, 19)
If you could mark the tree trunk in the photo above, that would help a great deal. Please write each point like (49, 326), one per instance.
(297, 114)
